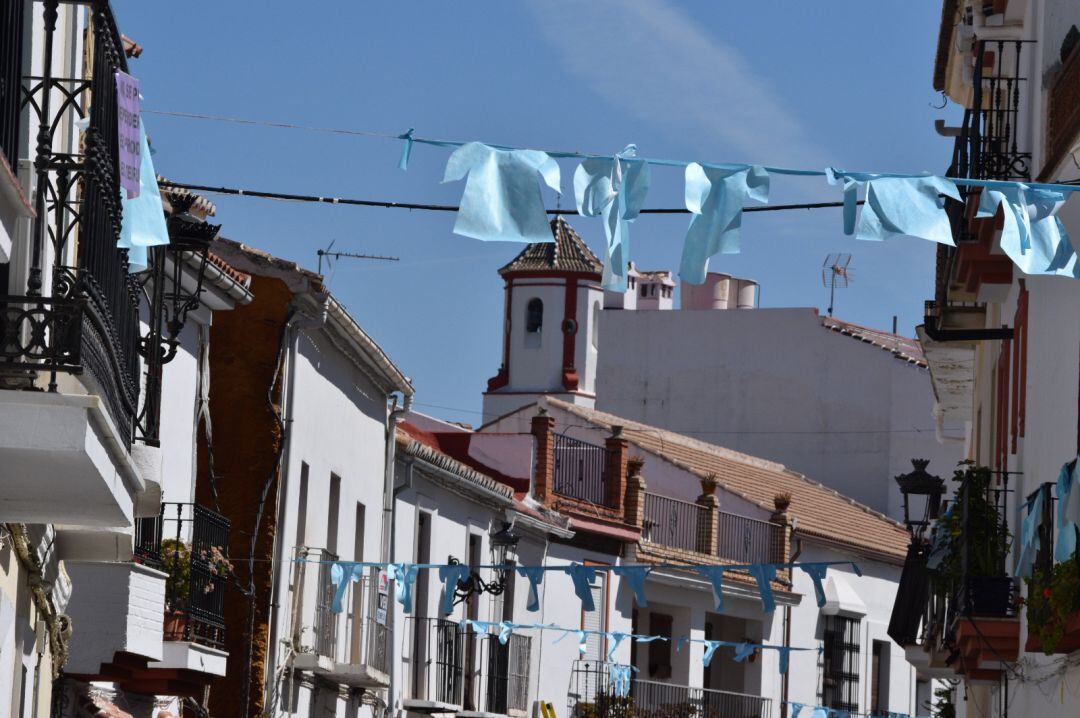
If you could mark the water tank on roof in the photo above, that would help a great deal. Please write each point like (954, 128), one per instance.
(720, 291)
(747, 293)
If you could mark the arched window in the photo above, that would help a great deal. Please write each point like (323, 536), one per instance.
(534, 316)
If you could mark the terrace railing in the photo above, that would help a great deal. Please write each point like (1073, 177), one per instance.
(580, 470)
(12, 14)
(434, 662)
(743, 539)
(675, 523)
(592, 695)
(79, 313)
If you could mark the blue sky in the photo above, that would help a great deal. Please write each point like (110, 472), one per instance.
(795, 84)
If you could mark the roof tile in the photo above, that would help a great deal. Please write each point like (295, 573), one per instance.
(568, 253)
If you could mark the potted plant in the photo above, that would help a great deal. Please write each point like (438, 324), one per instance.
(176, 562)
(1053, 608)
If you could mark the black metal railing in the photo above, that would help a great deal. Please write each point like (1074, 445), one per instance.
(80, 311)
(580, 470)
(592, 695)
(747, 540)
(12, 13)
(675, 523)
(503, 678)
(436, 660)
(190, 543)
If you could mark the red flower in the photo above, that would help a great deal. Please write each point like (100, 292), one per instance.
(1047, 593)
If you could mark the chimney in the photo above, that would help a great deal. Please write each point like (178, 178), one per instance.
(781, 537)
(618, 453)
(543, 431)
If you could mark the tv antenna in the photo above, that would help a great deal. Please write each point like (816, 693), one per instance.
(350, 255)
(835, 274)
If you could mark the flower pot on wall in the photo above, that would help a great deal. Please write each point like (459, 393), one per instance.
(175, 626)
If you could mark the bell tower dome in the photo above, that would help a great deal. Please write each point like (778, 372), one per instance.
(552, 306)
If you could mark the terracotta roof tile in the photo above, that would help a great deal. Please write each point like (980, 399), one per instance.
(568, 253)
(906, 348)
(822, 513)
(235, 274)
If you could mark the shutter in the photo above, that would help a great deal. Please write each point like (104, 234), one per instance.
(595, 621)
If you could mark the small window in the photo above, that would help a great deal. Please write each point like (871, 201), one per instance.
(534, 316)
(840, 678)
(644, 290)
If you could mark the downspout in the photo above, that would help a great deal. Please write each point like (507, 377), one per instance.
(784, 686)
(386, 546)
(294, 326)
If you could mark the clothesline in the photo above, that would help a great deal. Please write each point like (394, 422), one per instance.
(387, 204)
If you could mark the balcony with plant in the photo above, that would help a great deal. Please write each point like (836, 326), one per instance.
(1052, 606)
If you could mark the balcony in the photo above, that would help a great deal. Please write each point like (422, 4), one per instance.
(592, 695)
(69, 317)
(351, 648)
(466, 672)
(1053, 596)
(189, 543)
(702, 528)
(581, 471)
(956, 606)
(1063, 114)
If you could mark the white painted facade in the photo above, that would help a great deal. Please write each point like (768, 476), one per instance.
(776, 383)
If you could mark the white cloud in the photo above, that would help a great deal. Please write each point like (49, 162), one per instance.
(651, 60)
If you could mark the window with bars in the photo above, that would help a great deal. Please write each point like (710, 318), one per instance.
(840, 677)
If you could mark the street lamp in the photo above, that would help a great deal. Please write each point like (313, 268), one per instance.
(922, 496)
(503, 553)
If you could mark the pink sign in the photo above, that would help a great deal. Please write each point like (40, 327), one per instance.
(127, 118)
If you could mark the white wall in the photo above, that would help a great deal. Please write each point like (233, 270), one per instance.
(775, 383)
(338, 419)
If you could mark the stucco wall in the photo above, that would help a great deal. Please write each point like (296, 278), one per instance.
(774, 383)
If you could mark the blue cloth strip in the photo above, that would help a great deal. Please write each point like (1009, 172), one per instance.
(450, 576)
(142, 222)
(1068, 511)
(534, 574)
(764, 573)
(406, 150)
(817, 572)
(1029, 532)
(341, 575)
(715, 576)
(404, 575)
(635, 577)
(582, 576)
(619, 675)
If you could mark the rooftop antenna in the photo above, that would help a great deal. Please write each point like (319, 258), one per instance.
(350, 255)
(835, 274)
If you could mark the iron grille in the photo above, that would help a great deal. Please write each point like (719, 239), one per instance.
(591, 695)
(580, 470)
(840, 677)
(679, 524)
(747, 540)
(438, 655)
(12, 13)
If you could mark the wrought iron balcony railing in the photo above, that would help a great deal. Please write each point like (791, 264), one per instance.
(592, 695)
(190, 543)
(79, 313)
(689, 526)
(12, 13)
(434, 662)
(581, 470)
(498, 681)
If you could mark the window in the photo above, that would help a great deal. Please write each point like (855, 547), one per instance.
(879, 678)
(595, 328)
(840, 677)
(534, 316)
(332, 518)
(358, 592)
(644, 290)
(659, 651)
(595, 650)
(301, 507)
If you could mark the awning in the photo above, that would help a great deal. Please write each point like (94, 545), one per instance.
(841, 598)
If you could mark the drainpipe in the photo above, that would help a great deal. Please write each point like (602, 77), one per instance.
(295, 325)
(386, 546)
(784, 686)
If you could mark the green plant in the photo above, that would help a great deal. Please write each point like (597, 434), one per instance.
(176, 562)
(942, 706)
(985, 534)
(1051, 602)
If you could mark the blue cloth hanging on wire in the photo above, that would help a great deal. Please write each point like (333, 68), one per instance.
(635, 577)
(1029, 531)
(143, 221)
(763, 574)
(534, 574)
(342, 573)
(615, 639)
(1068, 511)
(1031, 234)
(715, 195)
(502, 200)
(451, 576)
(939, 540)
(817, 572)
(582, 576)
(896, 206)
(616, 189)
(715, 576)
(796, 708)
(404, 575)
(619, 676)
